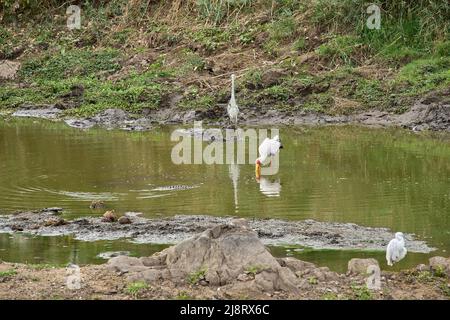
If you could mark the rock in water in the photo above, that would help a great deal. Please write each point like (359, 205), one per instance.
(220, 254)
(97, 204)
(111, 254)
(359, 266)
(53, 210)
(124, 220)
(109, 216)
(55, 222)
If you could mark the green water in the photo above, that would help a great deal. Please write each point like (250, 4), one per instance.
(373, 177)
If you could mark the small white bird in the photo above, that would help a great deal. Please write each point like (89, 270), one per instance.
(267, 149)
(396, 250)
(232, 108)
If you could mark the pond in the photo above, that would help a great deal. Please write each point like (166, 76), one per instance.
(373, 177)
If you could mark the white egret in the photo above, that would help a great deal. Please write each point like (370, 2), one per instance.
(232, 108)
(396, 250)
(267, 149)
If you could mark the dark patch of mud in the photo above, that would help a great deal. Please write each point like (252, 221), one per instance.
(308, 233)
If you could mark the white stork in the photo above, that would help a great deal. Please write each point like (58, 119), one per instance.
(267, 149)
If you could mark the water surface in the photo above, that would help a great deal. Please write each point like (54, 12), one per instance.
(373, 177)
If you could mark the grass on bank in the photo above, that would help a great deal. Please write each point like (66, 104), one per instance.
(412, 45)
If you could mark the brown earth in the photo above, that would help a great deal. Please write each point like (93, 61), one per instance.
(225, 262)
(100, 283)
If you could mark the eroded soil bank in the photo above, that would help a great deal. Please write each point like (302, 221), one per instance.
(429, 113)
(308, 233)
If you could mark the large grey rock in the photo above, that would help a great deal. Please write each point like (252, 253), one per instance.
(219, 256)
(225, 252)
(359, 266)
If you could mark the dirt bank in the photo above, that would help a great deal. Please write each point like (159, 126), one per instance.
(227, 261)
(309, 233)
(49, 283)
(429, 113)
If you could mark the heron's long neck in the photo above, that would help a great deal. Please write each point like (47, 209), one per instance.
(232, 88)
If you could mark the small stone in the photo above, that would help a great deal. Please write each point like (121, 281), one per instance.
(359, 266)
(109, 216)
(203, 283)
(241, 222)
(55, 222)
(54, 210)
(244, 277)
(296, 265)
(16, 228)
(123, 263)
(155, 260)
(97, 204)
(422, 267)
(124, 220)
(111, 254)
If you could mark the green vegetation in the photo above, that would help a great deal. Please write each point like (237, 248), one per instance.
(361, 293)
(44, 266)
(445, 289)
(312, 280)
(195, 277)
(440, 272)
(330, 296)
(424, 276)
(183, 295)
(254, 270)
(135, 288)
(130, 55)
(7, 274)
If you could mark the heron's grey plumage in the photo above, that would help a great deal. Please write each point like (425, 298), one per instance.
(232, 108)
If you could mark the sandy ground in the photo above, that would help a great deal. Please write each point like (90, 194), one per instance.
(43, 282)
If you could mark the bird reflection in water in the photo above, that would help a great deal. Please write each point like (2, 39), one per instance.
(234, 176)
(269, 188)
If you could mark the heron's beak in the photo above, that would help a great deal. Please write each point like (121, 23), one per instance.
(258, 171)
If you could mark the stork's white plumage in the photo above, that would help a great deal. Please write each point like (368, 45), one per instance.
(396, 250)
(267, 149)
(232, 108)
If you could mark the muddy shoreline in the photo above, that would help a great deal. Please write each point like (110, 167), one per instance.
(429, 113)
(227, 261)
(307, 233)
